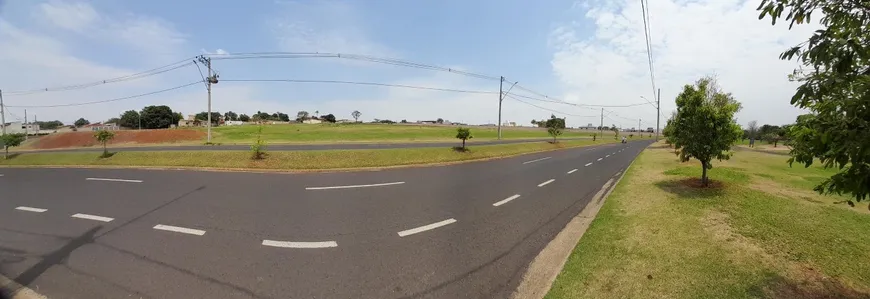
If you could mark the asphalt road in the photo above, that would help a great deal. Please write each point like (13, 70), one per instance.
(301, 147)
(459, 231)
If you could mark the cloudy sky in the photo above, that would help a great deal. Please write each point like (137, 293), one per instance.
(584, 52)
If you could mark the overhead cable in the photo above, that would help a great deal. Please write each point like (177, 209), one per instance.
(106, 101)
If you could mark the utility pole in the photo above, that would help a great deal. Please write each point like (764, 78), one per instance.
(211, 79)
(140, 120)
(2, 113)
(601, 126)
(659, 111)
(500, 98)
(638, 125)
(25, 125)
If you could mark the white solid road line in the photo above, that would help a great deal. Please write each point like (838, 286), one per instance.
(608, 156)
(426, 227)
(599, 159)
(178, 229)
(536, 160)
(284, 244)
(93, 217)
(545, 183)
(353, 186)
(572, 171)
(29, 209)
(113, 180)
(587, 164)
(504, 201)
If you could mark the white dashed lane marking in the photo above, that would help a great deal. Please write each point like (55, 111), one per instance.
(29, 209)
(306, 245)
(354, 186)
(504, 201)
(572, 171)
(426, 227)
(92, 217)
(545, 183)
(179, 229)
(536, 160)
(113, 180)
(599, 159)
(607, 156)
(587, 164)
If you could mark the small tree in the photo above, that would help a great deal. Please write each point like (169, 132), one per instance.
(594, 136)
(463, 134)
(555, 126)
(258, 149)
(615, 133)
(10, 140)
(356, 114)
(81, 122)
(244, 118)
(103, 137)
(440, 120)
(771, 138)
(704, 126)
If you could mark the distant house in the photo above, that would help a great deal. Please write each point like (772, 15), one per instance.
(344, 121)
(428, 122)
(311, 121)
(234, 123)
(588, 127)
(101, 127)
(191, 121)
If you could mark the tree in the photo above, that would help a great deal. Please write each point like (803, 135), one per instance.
(258, 148)
(768, 129)
(129, 119)
(229, 115)
(328, 118)
(262, 116)
(555, 126)
(244, 118)
(463, 134)
(301, 115)
(440, 120)
(355, 114)
(10, 140)
(615, 133)
(404, 121)
(203, 116)
(81, 122)
(49, 125)
(704, 127)
(176, 117)
(752, 127)
(103, 137)
(157, 117)
(835, 87)
(282, 117)
(771, 138)
(113, 120)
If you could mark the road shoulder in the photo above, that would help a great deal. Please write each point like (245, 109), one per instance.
(9, 289)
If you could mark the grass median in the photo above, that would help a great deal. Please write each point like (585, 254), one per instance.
(291, 160)
(760, 232)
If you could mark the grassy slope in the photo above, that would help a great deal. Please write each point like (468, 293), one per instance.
(309, 133)
(289, 160)
(764, 234)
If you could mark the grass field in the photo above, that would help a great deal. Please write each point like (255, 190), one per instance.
(332, 133)
(762, 233)
(291, 160)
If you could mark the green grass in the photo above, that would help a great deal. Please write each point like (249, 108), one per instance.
(762, 233)
(332, 133)
(289, 160)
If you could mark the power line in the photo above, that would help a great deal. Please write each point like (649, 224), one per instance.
(155, 71)
(361, 83)
(579, 105)
(106, 101)
(548, 109)
(646, 33)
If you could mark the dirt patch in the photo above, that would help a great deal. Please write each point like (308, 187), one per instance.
(86, 138)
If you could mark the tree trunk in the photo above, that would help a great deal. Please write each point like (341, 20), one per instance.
(463, 143)
(105, 150)
(6, 155)
(704, 174)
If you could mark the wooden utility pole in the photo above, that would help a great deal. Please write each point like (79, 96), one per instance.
(2, 113)
(601, 126)
(658, 111)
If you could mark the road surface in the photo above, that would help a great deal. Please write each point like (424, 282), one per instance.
(298, 147)
(459, 231)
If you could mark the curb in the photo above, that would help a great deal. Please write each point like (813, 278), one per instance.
(9, 289)
(547, 265)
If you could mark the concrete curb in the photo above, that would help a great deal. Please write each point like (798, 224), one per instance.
(547, 265)
(9, 289)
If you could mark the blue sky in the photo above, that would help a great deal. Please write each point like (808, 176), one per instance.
(584, 52)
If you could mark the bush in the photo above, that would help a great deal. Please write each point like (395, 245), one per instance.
(258, 149)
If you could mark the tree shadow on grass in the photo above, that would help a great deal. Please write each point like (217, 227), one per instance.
(690, 188)
(460, 149)
(107, 155)
(813, 285)
(12, 156)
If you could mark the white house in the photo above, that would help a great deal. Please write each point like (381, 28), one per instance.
(234, 123)
(311, 121)
(19, 128)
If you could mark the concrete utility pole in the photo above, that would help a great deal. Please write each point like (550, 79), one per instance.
(638, 125)
(25, 125)
(2, 113)
(658, 111)
(211, 79)
(601, 126)
(500, 98)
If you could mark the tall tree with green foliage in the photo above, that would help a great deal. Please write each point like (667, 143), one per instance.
(81, 122)
(555, 126)
(103, 137)
(835, 87)
(10, 140)
(157, 117)
(129, 119)
(704, 126)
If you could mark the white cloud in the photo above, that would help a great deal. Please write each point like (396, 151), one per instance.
(72, 16)
(689, 39)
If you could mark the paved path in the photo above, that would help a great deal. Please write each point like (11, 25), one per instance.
(300, 147)
(460, 231)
